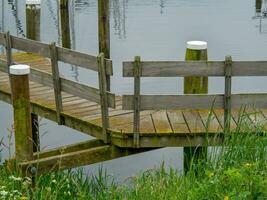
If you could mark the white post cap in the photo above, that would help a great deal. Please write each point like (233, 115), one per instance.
(33, 2)
(197, 45)
(19, 69)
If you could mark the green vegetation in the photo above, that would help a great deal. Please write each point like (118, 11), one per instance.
(237, 170)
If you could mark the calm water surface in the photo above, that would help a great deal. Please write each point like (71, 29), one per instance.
(155, 30)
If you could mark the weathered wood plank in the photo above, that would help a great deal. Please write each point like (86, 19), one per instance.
(220, 116)
(194, 122)
(2, 39)
(210, 121)
(161, 102)
(86, 92)
(177, 121)
(195, 68)
(161, 122)
(82, 60)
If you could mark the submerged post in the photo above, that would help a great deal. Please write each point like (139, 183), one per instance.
(104, 32)
(33, 12)
(196, 51)
(19, 78)
(65, 23)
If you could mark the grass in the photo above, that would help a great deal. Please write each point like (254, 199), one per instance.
(237, 170)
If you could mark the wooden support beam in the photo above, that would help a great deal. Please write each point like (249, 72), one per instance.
(56, 82)
(35, 132)
(137, 82)
(227, 95)
(78, 158)
(19, 78)
(103, 95)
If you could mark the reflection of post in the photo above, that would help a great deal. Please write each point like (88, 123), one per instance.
(104, 31)
(196, 50)
(258, 6)
(33, 21)
(65, 24)
(33, 32)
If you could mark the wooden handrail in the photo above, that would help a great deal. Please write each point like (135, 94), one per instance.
(65, 55)
(195, 68)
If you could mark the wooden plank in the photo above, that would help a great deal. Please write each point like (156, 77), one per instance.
(82, 60)
(194, 122)
(78, 158)
(195, 68)
(158, 102)
(137, 82)
(2, 39)
(177, 121)
(30, 46)
(8, 48)
(161, 122)
(227, 92)
(210, 121)
(220, 116)
(103, 95)
(56, 82)
(86, 92)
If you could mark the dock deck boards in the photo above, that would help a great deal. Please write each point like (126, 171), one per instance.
(157, 123)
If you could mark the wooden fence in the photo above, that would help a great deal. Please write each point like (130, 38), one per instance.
(226, 101)
(55, 53)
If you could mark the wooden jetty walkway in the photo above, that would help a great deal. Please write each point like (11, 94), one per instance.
(127, 124)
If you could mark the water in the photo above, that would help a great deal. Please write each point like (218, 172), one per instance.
(155, 30)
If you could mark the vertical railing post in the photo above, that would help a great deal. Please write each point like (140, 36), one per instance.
(8, 48)
(227, 94)
(19, 78)
(103, 95)
(104, 32)
(65, 23)
(136, 127)
(56, 82)
(196, 51)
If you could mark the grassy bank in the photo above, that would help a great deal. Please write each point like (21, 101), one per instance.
(237, 170)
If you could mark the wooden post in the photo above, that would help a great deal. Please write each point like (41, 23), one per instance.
(104, 32)
(103, 95)
(19, 76)
(33, 12)
(227, 95)
(33, 21)
(137, 74)
(56, 81)
(65, 23)
(8, 48)
(196, 51)
(258, 6)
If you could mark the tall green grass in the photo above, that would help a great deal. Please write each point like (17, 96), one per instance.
(237, 170)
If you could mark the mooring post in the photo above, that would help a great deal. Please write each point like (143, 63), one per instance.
(196, 51)
(19, 78)
(33, 12)
(33, 21)
(258, 6)
(104, 32)
(65, 23)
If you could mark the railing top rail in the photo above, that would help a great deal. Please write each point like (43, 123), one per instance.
(65, 55)
(195, 68)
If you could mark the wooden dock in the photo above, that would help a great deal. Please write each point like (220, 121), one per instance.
(157, 120)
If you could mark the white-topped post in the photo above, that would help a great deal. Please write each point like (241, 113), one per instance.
(19, 79)
(196, 51)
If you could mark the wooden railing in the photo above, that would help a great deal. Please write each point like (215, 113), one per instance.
(55, 53)
(226, 101)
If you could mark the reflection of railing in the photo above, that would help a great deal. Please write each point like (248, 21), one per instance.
(99, 64)
(228, 101)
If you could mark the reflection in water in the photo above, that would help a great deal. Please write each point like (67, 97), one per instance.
(119, 8)
(54, 14)
(261, 14)
(14, 10)
(74, 69)
(162, 5)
